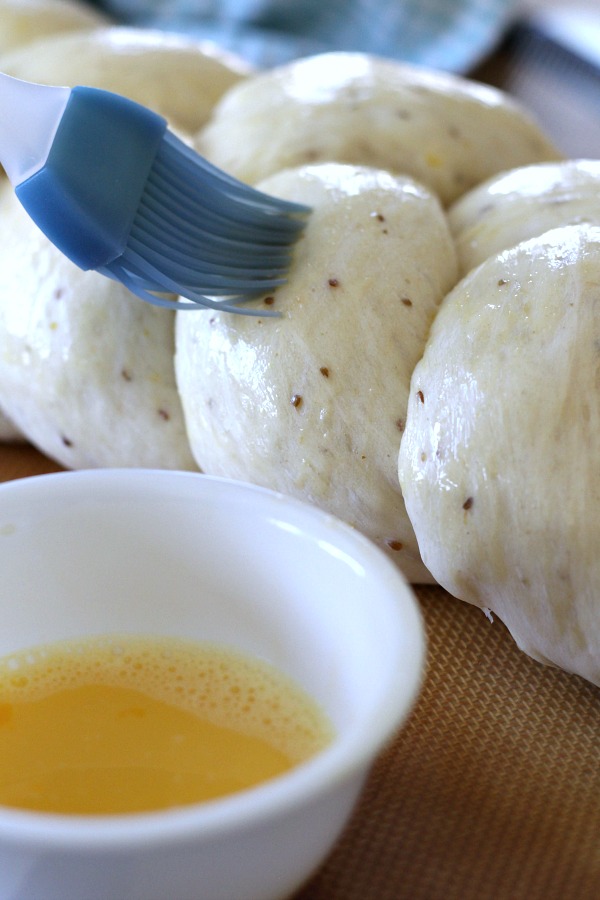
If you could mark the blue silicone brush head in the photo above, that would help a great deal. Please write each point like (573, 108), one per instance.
(121, 194)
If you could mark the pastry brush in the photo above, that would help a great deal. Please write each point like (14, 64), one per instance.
(118, 192)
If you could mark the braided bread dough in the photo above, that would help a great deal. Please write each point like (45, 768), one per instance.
(312, 403)
(443, 130)
(499, 460)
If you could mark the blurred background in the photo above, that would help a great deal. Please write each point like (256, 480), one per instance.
(549, 58)
(545, 52)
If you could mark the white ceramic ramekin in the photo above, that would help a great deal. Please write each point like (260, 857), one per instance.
(169, 553)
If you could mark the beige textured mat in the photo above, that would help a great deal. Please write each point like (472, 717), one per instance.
(492, 790)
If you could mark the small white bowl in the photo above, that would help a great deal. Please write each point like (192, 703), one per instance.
(180, 554)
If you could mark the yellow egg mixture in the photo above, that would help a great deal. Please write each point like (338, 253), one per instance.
(122, 725)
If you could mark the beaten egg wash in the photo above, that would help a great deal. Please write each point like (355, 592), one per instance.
(108, 726)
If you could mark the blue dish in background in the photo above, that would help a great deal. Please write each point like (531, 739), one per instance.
(453, 35)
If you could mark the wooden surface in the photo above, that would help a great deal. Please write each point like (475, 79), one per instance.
(491, 790)
(22, 460)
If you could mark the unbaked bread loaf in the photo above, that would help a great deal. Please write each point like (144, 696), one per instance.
(443, 130)
(499, 459)
(313, 403)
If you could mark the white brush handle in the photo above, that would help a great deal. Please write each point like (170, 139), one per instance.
(29, 117)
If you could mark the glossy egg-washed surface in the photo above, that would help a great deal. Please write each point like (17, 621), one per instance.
(498, 462)
(313, 403)
(445, 131)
